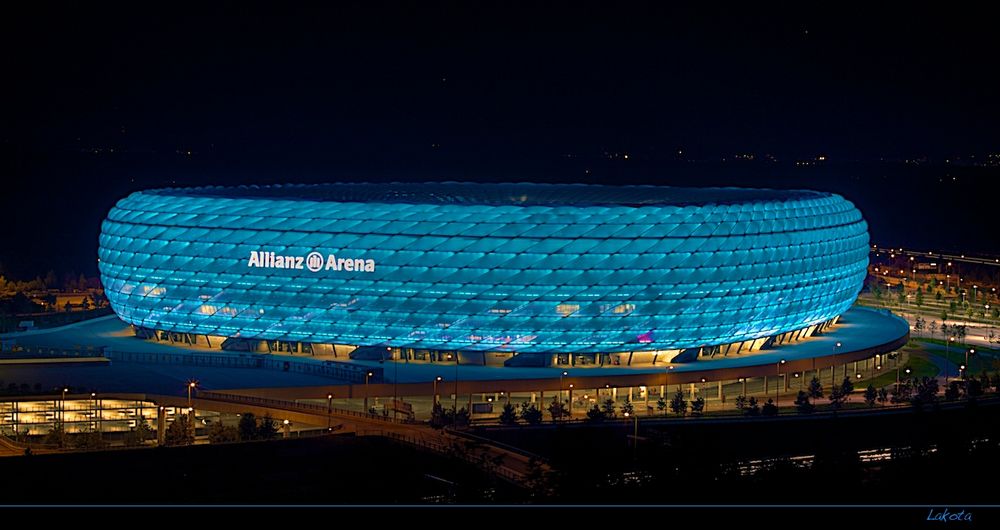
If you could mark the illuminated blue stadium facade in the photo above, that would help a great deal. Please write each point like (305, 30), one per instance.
(500, 268)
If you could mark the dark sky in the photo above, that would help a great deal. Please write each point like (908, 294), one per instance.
(426, 91)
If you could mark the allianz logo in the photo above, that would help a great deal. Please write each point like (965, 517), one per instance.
(313, 262)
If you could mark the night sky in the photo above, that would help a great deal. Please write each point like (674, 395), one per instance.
(900, 101)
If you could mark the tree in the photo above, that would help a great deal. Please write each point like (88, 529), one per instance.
(247, 427)
(920, 298)
(876, 291)
(138, 435)
(753, 408)
(883, 396)
(954, 391)
(219, 433)
(627, 408)
(769, 409)
(531, 414)
(741, 402)
(959, 331)
(678, 405)
(179, 432)
(926, 391)
(973, 389)
(932, 327)
(51, 282)
(88, 440)
(557, 409)
(836, 397)
(462, 417)
(56, 436)
(609, 408)
(903, 393)
(871, 395)
(802, 403)
(508, 416)
(815, 388)
(697, 406)
(661, 405)
(846, 387)
(594, 415)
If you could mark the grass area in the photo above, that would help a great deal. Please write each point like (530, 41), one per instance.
(918, 363)
(957, 346)
(985, 358)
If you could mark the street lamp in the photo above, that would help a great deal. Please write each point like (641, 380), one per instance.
(62, 408)
(947, 357)
(190, 386)
(777, 386)
(970, 351)
(368, 375)
(569, 395)
(395, 372)
(961, 371)
(435, 395)
(833, 371)
(93, 396)
(329, 410)
(561, 376)
(703, 392)
(666, 380)
(635, 433)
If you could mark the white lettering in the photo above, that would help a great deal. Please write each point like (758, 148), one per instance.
(313, 262)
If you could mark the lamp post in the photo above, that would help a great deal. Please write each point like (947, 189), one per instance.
(833, 370)
(947, 358)
(190, 386)
(329, 411)
(635, 434)
(777, 386)
(62, 409)
(970, 351)
(744, 381)
(435, 395)
(394, 378)
(705, 394)
(897, 377)
(561, 376)
(961, 371)
(666, 380)
(569, 397)
(455, 406)
(368, 375)
(93, 396)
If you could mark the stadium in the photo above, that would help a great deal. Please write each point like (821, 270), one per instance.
(484, 274)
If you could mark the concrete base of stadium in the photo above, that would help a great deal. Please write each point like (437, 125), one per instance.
(858, 344)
